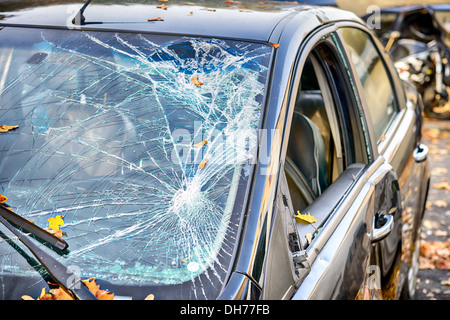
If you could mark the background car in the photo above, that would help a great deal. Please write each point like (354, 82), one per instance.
(207, 153)
(419, 42)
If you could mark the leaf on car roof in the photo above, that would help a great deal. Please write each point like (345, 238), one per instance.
(162, 6)
(6, 128)
(155, 19)
(308, 218)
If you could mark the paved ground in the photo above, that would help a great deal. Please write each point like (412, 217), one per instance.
(434, 273)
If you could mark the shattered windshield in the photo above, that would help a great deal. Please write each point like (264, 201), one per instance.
(142, 144)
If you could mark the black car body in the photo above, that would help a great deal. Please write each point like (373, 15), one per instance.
(179, 144)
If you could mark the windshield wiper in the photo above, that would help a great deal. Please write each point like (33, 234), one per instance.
(62, 275)
(35, 230)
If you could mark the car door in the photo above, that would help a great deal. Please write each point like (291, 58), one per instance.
(352, 192)
(397, 134)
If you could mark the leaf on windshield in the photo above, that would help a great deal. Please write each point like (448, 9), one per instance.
(6, 128)
(54, 223)
(95, 289)
(62, 294)
(275, 45)
(196, 82)
(3, 199)
(308, 218)
(203, 163)
(200, 144)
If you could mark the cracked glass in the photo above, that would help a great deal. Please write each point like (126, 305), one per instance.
(143, 144)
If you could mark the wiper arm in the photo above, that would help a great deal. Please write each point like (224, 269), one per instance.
(32, 228)
(61, 275)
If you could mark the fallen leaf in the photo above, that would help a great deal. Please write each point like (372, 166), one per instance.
(195, 81)
(155, 19)
(231, 2)
(6, 128)
(189, 3)
(150, 297)
(3, 199)
(275, 45)
(442, 185)
(203, 163)
(435, 254)
(208, 9)
(200, 144)
(54, 223)
(305, 217)
(162, 6)
(440, 203)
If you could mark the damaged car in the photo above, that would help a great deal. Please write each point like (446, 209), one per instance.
(242, 151)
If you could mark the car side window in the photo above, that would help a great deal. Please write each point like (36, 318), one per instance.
(375, 82)
(321, 137)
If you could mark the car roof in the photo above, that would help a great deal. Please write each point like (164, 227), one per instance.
(250, 20)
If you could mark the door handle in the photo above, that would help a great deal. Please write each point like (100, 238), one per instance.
(379, 233)
(420, 153)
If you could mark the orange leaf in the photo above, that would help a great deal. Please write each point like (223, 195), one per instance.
(196, 82)
(155, 19)
(200, 144)
(3, 199)
(5, 128)
(150, 297)
(162, 6)
(61, 294)
(203, 163)
(275, 45)
(95, 289)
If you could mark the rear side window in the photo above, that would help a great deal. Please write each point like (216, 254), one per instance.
(371, 71)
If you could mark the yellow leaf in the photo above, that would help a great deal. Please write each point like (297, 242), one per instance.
(25, 297)
(150, 297)
(308, 237)
(305, 217)
(54, 223)
(442, 185)
(5, 128)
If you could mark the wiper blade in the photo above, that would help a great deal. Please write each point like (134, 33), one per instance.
(62, 275)
(35, 230)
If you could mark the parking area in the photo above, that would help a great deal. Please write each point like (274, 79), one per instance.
(434, 274)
